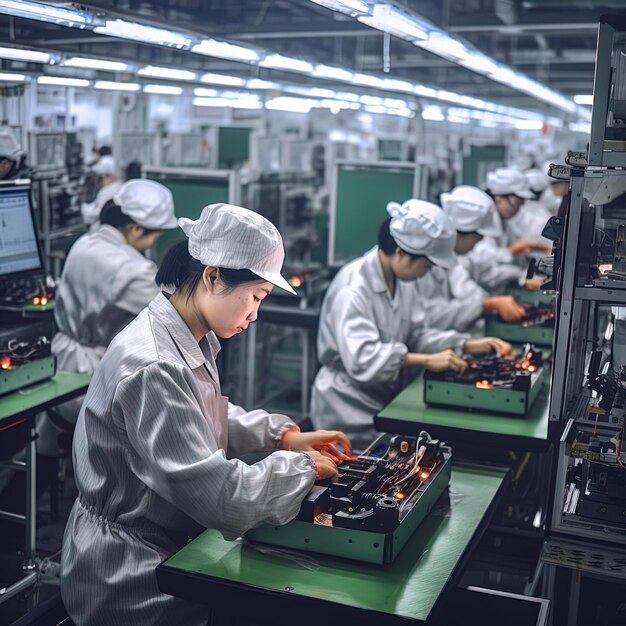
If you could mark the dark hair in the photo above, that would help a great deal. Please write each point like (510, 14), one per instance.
(388, 244)
(111, 214)
(104, 151)
(180, 270)
(133, 170)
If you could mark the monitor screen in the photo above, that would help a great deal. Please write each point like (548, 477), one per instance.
(19, 247)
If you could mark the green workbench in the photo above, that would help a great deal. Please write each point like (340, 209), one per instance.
(61, 387)
(408, 414)
(276, 589)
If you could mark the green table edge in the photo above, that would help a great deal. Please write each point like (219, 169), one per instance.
(61, 387)
(408, 588)
(409, 411)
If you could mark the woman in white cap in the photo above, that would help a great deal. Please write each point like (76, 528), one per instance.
(490, 262)
(111, 184)
(105, 282)
(371, 324)
(156, 442)
(451, 299)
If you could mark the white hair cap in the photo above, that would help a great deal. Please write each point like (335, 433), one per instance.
(9, 148)
(538, 179)
(420, 227)
(148, 203)
(506, 181)
(105, 166)
(472, 210)
(232, 237)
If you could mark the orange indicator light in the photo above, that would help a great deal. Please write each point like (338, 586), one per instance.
(36, 300)
(424, 475)
(5, 364)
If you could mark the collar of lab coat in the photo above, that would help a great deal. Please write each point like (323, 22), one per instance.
(194, 353)
(373, 271)
(112, 234)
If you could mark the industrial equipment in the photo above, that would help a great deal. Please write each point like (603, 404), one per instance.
(370, 511)
(492, 383)
(536, 326)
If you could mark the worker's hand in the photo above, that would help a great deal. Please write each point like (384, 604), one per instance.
(525, 247)
(324, 467)
(535, 282)
(505, 306)
(322, 441)
(443, 361)
(488, 344)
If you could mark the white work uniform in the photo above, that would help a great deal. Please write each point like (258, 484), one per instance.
(105, 284)
(153, 463)
(491, 266)
(529, 223)
(451, 300)
(363, 338)
(91, 210)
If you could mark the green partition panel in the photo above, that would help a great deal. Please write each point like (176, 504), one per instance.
(191, 195)
(233, 146)
(482, 159)
(361, 196)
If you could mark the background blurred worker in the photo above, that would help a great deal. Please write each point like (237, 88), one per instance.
(371, 326)
(449, 296)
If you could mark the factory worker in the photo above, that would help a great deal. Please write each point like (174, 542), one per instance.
(371, 324)
(156, 444)
(105, 168)
(449, 297)
(492, 262)
(10, 155)
(105, 282)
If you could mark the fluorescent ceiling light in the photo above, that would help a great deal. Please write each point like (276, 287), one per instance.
(111, 86)
(351, 7)
(166, 90)
(367, 80)
(257, 83)
(96, 64)
(8, 76)
(145, 34)
(433, 113)
(336, 73)
(204, 93)
(426, 92)
(45, 13)
(25, 55)
(227, 103)
(279, 62)
(293, 105)
(397, 85)
(314, 92)
(222, 79)
(60, 80)
(390, 20)
(583, 99)
(580, 127)
(223, 50)
(442, 45)
(166, 72)
(529, 124)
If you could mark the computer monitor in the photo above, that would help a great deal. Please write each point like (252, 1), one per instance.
(19, 246)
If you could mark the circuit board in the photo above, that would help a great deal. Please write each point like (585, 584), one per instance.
(490, 383)
(378, 500)
(536, 326)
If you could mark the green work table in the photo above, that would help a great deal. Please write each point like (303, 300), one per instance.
(275, 589)
(407, 414)
(17, 414)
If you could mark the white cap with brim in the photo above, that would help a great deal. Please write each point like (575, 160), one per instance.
(420, 227)
(105, 166)
(506, 181)
(472, 210)
(235, 238)
(148, 203)
(9, 148)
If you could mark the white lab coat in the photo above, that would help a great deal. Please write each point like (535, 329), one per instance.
(153, 463)
(363, 338)
(91, 210)
(451, 300)
(105, 283)
(529, 223)
(491, 266)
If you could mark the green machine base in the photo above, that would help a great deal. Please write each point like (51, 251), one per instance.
(517, 333)
(445, 393)
(27, 374)
(369, 546)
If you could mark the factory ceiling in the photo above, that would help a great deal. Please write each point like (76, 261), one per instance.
(551, 41)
